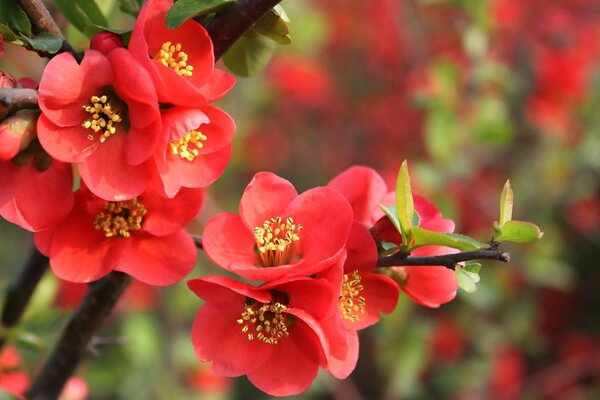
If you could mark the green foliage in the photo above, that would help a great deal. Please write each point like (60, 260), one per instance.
(518, 232)
(84, 15)
(274, 25)
(183, 10)
(468, 276)
(506, 203)
(424, 237)
(405, 207)
(14, 18)
(45, 42)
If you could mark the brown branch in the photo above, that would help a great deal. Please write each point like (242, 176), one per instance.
(42, 21)
(17, 97)
(21, 289)
(197, 241)
(227, 27)
(85, 322)
(445, 260)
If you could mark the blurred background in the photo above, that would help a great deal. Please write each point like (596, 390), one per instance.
(472, 93)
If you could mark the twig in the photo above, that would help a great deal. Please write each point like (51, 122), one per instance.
(21, 289)
(445, 260)
(197, 241)
(42, 21)
(87, 320)
(17, 97)
(227, 27)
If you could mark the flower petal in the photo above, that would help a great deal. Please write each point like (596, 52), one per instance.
(166, 216)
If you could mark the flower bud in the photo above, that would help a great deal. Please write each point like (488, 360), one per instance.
(105, 42)
(16, 133)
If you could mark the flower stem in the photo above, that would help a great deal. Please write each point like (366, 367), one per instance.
(446, 260)
(85, 322)
(227, 27)
(17, 97)
(21, 289)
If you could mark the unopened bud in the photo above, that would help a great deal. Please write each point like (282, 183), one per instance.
(17, 132)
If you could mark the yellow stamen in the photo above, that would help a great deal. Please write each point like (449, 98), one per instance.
(265, 322)
(171, 56)
(103, 118)
(187, 147)
(119, 218)
(275, 241)
(351, 303)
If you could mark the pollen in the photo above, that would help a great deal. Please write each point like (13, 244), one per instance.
(187, 147)
(171, 56)
(352, 304)
(103, 118)
(265, 322)
(275, 241)
(120, 218)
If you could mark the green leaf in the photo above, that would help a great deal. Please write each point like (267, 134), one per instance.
(274, 25)
(249, 55)
(15, 17)
(390, 212)
(183, 10)
(405, 207)
(7, 34)
(45, 42)
(71, 11)
(517, 231)
(506, 204)
(31, 341)
(4, 395)
(466, 279)
(388, 246)
(93, 12)
(424, 237)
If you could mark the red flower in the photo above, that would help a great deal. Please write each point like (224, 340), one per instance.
(195, 149)
(180, 61)
(103, 115)
(13, 378)
(36, 190)
(278, 232)
(143, 237)
(271, 333)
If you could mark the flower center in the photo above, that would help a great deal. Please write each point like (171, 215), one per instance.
(171, 56)
(103, 118)
(119, 218)
(275, 241)
(351, 303)
(265, 322)
(187, 147)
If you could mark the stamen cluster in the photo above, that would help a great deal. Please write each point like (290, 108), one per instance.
(119, 218)
(267, 321)
(187, 147)
(171, 56)
(351, 302)
(104, 118)
(275, 240)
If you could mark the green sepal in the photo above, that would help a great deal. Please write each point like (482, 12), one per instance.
(424, 237)
(183, 10)
(517, 231)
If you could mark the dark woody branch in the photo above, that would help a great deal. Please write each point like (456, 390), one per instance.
(17, 97)
(447, 260)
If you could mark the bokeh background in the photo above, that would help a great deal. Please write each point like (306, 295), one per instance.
(472, 93)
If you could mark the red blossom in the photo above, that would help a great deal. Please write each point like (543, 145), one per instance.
(230, 330)
(143, 237)
(278, 232)
(102, 115)
(180, 61)
(13, 378)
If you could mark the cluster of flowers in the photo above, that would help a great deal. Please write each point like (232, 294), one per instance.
(315, 256)
(137, 128)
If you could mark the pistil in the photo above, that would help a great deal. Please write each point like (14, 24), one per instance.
(275, 241)
(120, 218)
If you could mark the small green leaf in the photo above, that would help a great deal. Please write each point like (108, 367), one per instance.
(506, 204)
(424, 237)
(183, 10)
(389, 245)
(15, 17)
(249, 55)
(473, 267)
(7, 34)
(29, 340)
(71, 11)
(45, 42)
(274, 25)
(466, 279)
(404, 202)
(93, 12)
(390, 212)
(517, 231)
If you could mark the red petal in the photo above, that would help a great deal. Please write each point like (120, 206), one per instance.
(155, 260)
(68, 144)
(430, 286)
(361, 249)
(314, 296)
(219, 83)
(266, 196)
(217, 291)
(381, 296)
(342, 367)
(166, 216)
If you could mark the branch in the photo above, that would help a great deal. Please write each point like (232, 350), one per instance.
(227, 27)
(87, 320)
(21, 289)
(445, 260)
(16, 97)
(42, 21)
(198, 241)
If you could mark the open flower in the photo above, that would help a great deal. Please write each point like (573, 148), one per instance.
(271, 333)
(143, 237)
(180, 61)
(103, 115)
(278, 232)
(195, 147)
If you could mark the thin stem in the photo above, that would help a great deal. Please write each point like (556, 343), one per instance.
(446, 260)
(42, 21)
(21, 289)
(17, 97)
(227, 27)
(87, 320)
